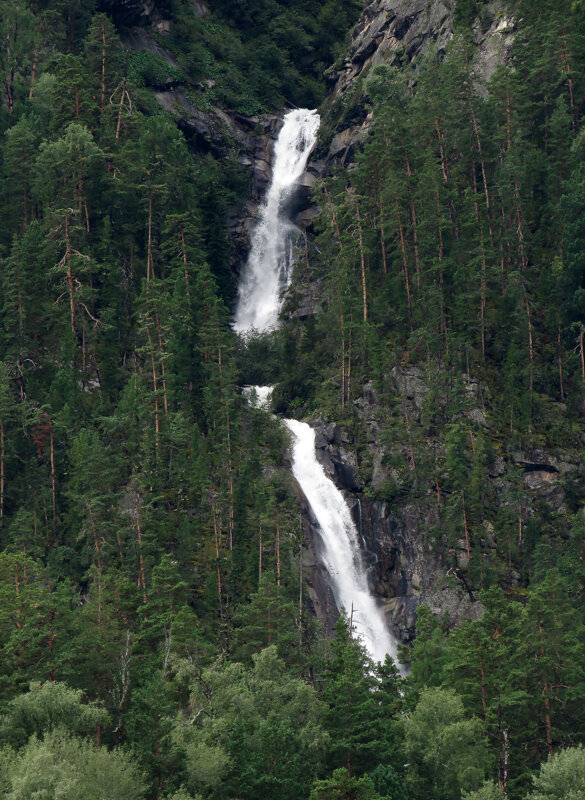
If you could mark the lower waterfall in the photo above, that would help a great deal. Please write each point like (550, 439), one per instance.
(341, 549)
(265, 276)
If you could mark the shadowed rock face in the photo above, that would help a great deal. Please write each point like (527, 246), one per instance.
(133, 12)
(388, 547)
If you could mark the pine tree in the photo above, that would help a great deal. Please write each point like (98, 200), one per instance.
(353, 718)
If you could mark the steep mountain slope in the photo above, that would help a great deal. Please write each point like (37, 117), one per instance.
(426, 116)
(153, 559)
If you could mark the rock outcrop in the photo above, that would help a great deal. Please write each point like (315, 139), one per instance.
(403, 33)
(406, 567)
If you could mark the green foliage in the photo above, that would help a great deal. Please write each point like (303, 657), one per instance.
(148, 69)
(46, 708)
(489, 791)
(251, 731)
(445, 751)
(562, 776)
(428, 654)
(388, 783)
(61, 766)
(360, 738)
(341, 785)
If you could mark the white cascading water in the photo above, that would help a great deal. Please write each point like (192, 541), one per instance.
(341, 550)
(258, 396)
(267, 272)
(266, 275)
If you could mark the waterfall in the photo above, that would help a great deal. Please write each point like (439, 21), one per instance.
(342, 555)
(267, 272)
(258, 396)
(266, 275)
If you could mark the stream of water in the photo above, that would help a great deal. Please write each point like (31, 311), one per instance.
(342, 554)
(266, 275)
(268, 271)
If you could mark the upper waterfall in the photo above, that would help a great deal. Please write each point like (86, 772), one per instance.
(267, 272)
(341, 550)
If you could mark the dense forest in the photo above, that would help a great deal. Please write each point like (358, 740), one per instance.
(155, 635)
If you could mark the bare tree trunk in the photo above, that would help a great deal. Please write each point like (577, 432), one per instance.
(343, 351)
(443, 321)
(2, 472)
(582, 353)
(549, 742)
(149, 259)
(96, 545)
(348, 390)
(502, 751)
(216, 534)
(142, 575)
(530, 352)
(404, 260)
(86, 219)
(561, 385)
(301, 591)
(520, 225)
(185, 261)
(481, 161)
(34, 69)
(277, 549)
(362, 258)
(123, 93)
(9, 93)
(103, 94)
(53, 480)
(51, 648)
(483, 690)
(162, 363)
(483, 282)
(567, 70)
(308, 273)
(440, 137)
(155, 388)
(70, 279)
(520, 532)
(228, 442)
(382, 233)
(545, 691)
(414, 230)
(343, 261)
(467, 547)
(408, 432)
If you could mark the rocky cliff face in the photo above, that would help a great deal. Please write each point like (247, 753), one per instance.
(408, 566)
(403, 569)
(403, 33)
